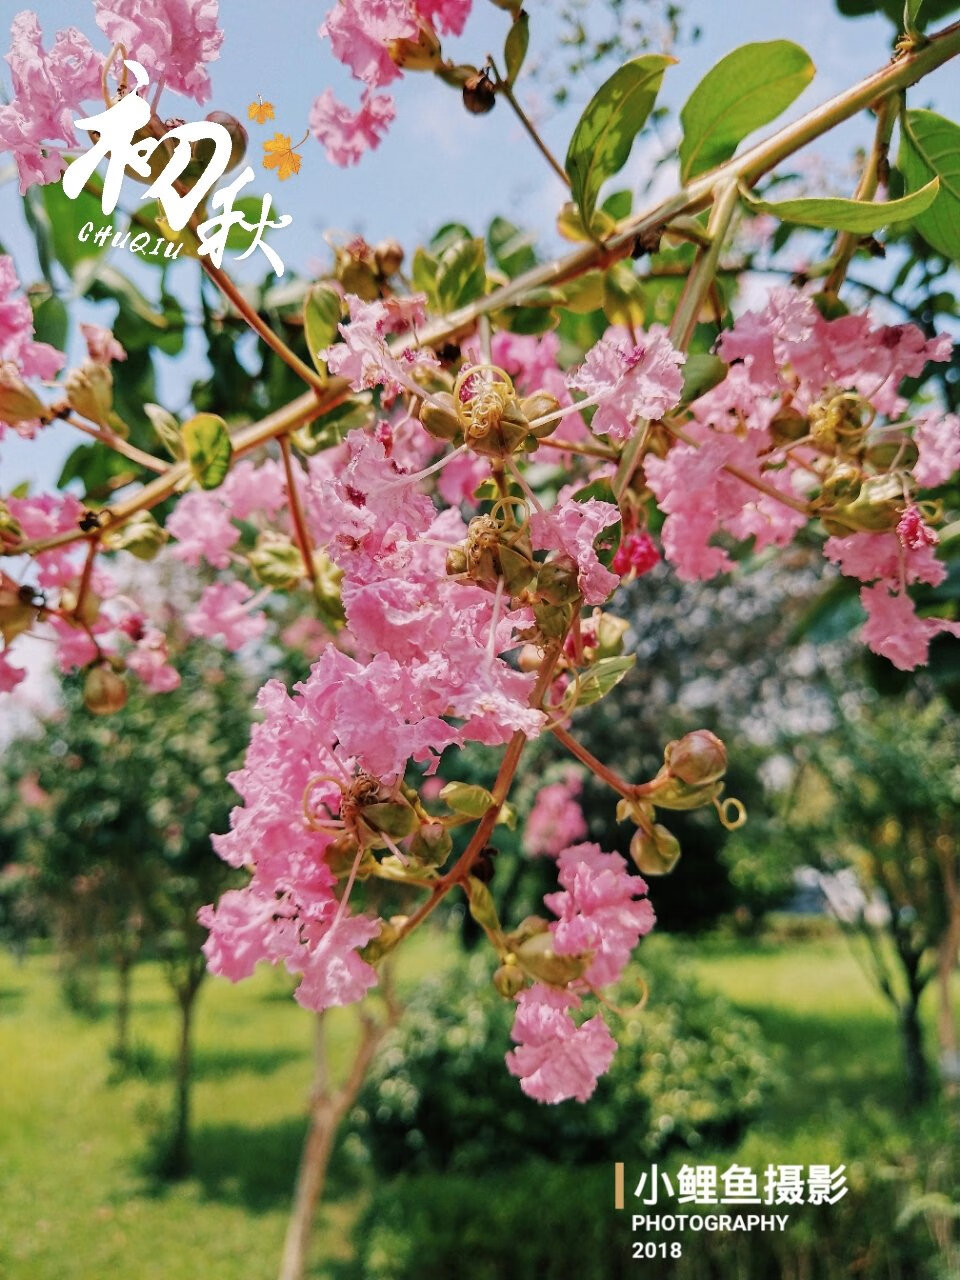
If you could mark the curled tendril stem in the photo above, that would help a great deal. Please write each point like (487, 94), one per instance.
(726, 808)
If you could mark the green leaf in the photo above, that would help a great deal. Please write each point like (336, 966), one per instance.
(512, 248)
(605, 133)
(745, 90)
(461, 274)
(911, 11)
(859, 216)
(515, 48)
(701, 373)
(602, 677)
(930, 147)
(50, 321)
(239, 239)
(463, 797)
(67, 219)
(321, 316)
(623, 296)
(207, 445)
(167, 429)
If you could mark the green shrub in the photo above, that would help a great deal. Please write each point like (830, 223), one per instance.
(689, 1070)
(558, 1223)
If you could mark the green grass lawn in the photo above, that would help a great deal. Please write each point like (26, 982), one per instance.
(77, 1197)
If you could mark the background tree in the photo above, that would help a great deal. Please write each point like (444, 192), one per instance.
(121, 809)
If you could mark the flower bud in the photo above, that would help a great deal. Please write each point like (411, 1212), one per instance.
(439, 416)
(11, 530)
(788, 425)
(537, 957)
(140, 535)
(479, 94)
(557, 581)
(901, 453)
(432, 844)
(610, 632)
(655, 853)
(456, 562)
(482, 907)
(697, 758)
(238, 136)
(395, 818)
(276, 561)
(388, 256)
(89, 391)
(17, 402)
(536, 406)
(553, 620)
(104, 691)
(509, 980)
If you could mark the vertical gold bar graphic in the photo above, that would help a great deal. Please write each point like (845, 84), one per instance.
(618, 1186)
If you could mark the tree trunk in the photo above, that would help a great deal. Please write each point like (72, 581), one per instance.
(177, 1162)
(914, 1058)
(326, 1112)
(121, 1048)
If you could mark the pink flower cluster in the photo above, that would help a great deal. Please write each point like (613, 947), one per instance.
(48, 88)
(172, 39)
(369, 38)
(602, 912)
(788, 354)
(118, 628)
(427, 674)
(19, 352)
(556, 819)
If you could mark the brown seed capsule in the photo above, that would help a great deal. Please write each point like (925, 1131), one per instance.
(389, 257)
(787, 426)
(104, 691)
(479, 94)
(17, 402)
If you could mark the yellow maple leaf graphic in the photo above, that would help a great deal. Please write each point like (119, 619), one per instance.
(260, 111)
(280, 155)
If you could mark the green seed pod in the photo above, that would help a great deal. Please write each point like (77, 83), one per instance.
(276, 561)
(540, 405)
(557, 581)
(657, 853)
(89, 391)
(509, 980)
(17, 402)
(441, 419)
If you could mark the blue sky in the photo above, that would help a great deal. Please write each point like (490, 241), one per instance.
(437, 163)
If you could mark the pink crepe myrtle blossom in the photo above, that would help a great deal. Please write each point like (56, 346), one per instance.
(10, 676)
(223, 612)
(347, 135)
(913, 532)
(203, 530)
(102, 346)
(602, 909)
(48, 88)
(361, 33)
(150, 662)
(172, 39)
(637, 554)
(555, 1059)
(572, 527)
(938, 442)
(895, 631)
(556, 819)
(252, 489)
(20, 355)
(44, 516)
(364, 358)
(630, 379)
